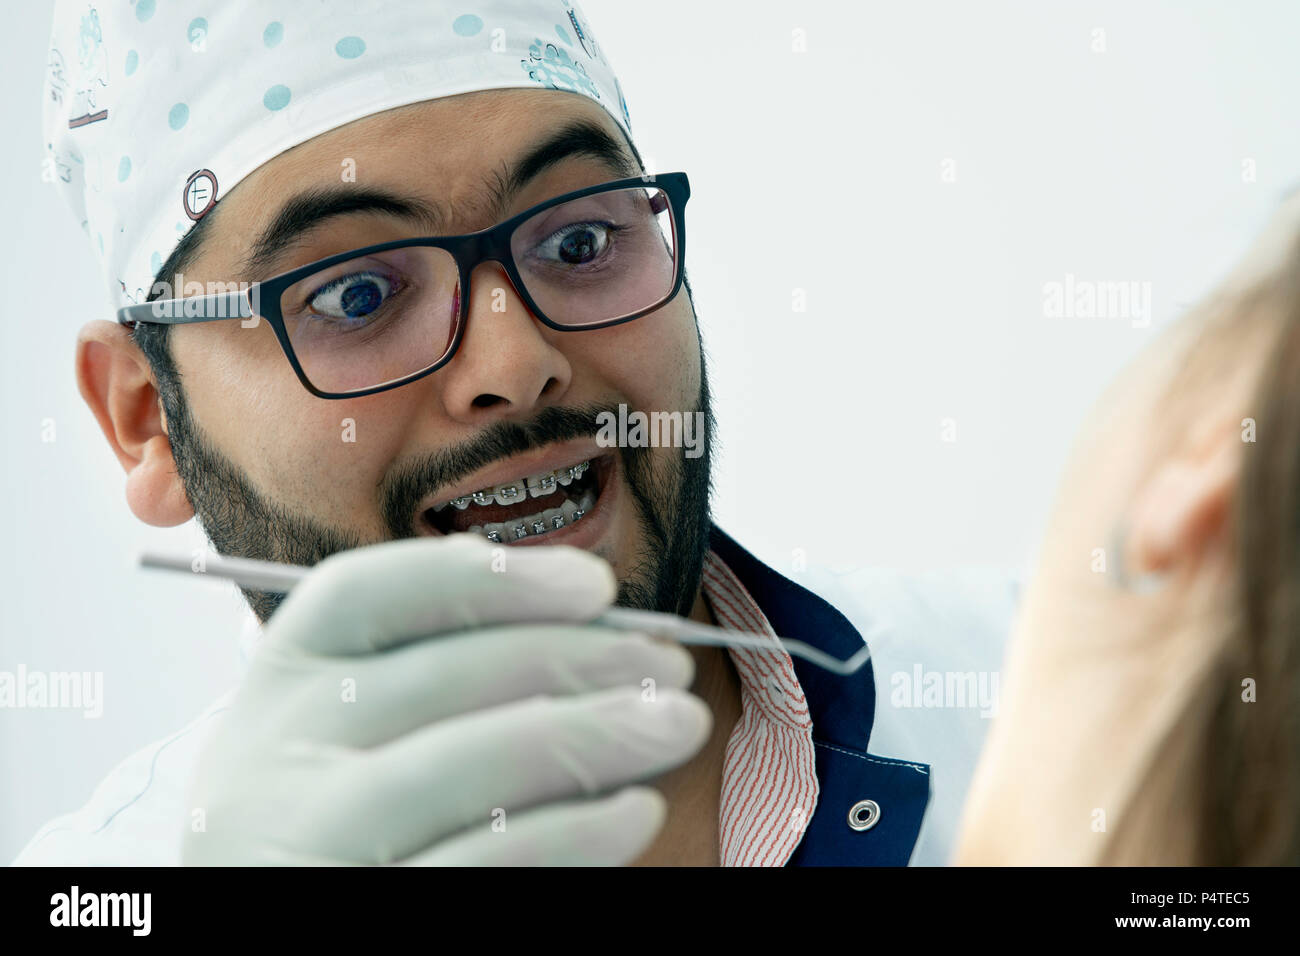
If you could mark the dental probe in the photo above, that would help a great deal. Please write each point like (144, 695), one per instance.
(275, 577)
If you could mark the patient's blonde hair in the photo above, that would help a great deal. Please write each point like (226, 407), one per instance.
(1223, 786)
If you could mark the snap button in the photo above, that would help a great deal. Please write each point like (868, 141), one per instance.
(864, 815)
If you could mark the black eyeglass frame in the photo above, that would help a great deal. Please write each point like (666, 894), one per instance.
(262, 299)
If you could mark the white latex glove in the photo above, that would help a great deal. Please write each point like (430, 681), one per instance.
(468, 711)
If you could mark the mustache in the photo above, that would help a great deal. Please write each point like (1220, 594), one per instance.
(408, 484)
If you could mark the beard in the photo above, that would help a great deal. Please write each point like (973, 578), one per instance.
(669, 493)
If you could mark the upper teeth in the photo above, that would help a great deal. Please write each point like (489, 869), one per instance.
(513, 492)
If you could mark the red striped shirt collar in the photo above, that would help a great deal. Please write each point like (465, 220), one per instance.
(769, 779)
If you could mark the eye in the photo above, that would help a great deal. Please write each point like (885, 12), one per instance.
(577, 244)
(353, 296)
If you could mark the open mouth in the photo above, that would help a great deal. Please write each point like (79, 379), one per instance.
(528, 507)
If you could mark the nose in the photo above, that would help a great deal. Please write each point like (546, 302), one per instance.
(506, 367)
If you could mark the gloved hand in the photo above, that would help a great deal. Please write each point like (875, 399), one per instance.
(409, 704)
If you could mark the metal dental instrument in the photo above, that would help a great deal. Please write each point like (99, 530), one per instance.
(273, 576)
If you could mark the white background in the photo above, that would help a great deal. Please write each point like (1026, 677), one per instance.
(818, 170)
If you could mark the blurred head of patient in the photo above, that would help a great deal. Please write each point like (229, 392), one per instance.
(210, 419)
(1151, 706)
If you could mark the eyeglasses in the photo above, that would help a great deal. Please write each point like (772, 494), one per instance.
(378, 317)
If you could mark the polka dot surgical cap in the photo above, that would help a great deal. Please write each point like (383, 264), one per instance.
(155, 109)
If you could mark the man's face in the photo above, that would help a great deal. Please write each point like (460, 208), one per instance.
(277, 473)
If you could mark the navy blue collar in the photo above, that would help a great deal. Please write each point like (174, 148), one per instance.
(842, 708)
(796, 612)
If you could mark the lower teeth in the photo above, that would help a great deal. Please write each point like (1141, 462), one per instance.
(532, 526)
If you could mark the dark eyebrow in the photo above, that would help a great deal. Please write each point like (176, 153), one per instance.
(311, 208)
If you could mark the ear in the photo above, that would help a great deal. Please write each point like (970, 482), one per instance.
(117, 384)
(1183, 509)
